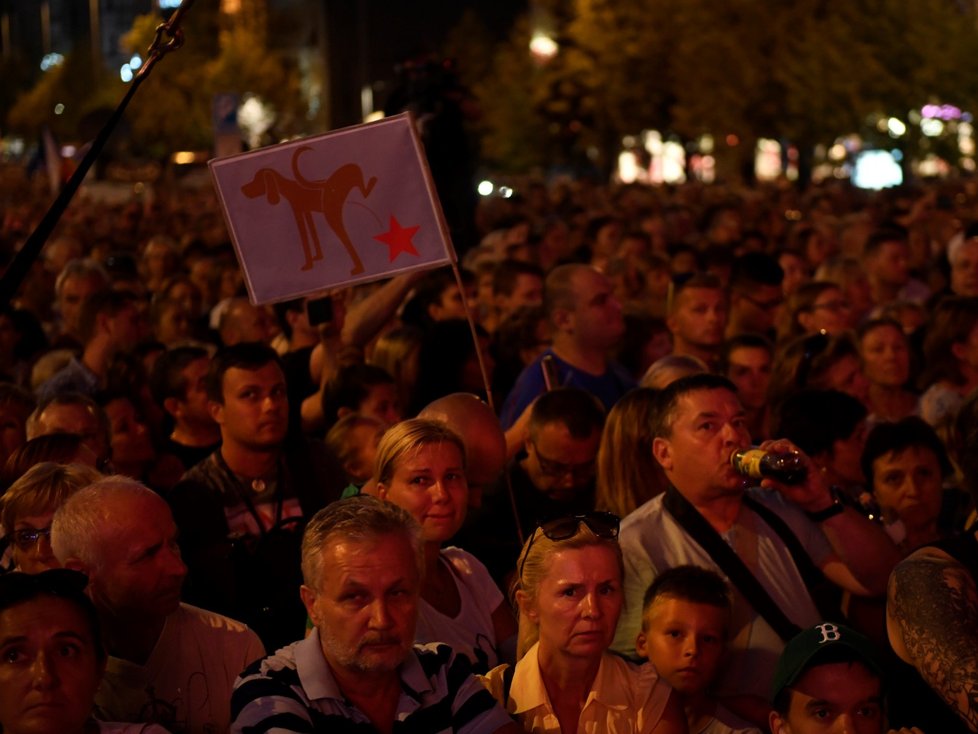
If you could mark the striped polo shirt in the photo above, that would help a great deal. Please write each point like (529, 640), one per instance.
(294, 690)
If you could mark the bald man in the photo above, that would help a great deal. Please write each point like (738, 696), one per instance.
(485, 445)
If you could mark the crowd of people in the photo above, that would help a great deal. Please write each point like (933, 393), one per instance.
(358, 511)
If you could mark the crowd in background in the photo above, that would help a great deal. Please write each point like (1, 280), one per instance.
(846, 321)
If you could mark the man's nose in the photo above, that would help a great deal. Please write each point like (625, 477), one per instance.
(844, 724)
(380, 617)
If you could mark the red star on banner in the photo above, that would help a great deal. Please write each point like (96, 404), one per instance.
(398, 238)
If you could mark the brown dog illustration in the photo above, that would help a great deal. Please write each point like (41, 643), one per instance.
(307, 197)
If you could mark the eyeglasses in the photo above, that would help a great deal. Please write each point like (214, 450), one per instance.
(812, 347)
(26, 538)
(603, 524)
(556, 470)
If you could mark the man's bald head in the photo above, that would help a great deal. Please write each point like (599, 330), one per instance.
(478, 426)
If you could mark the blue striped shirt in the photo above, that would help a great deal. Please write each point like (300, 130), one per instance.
(294, 691)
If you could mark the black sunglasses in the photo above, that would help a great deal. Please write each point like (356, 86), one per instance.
(603, 524)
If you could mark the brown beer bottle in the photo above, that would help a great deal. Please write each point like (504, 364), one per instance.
(785, 467)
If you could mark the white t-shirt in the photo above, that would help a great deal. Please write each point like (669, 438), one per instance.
(186, 683)
(471, 633)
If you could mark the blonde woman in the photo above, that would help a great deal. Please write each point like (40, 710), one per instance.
(569, 593)
(421, 468)
(27, 507)
(628, 474)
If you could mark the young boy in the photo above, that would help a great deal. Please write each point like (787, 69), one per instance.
(685, 619)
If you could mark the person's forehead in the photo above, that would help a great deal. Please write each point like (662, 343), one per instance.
(694, 614)
(588, 282)
(556, 433)
(697, 295)
(269, 373)
(915, 454)
(707, 400)
(749, 356)
(373, 560)
(70, 414)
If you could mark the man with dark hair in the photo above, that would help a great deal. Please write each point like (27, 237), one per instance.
(755, 295)
(784, 537)
(886, 259)
(515, 284)
(587, 322)
(359, 669)
(747, 360)
(241, 509)
(828, 679)
(361, 388)
(109, 323)
(697, 318)
(178, 384)
(962, 257)
(554, 474)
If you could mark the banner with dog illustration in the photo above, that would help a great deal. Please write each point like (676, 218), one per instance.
(350, 206)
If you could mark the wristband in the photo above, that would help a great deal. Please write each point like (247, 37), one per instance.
(836, 508)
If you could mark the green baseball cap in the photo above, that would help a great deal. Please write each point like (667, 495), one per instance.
(804, 648)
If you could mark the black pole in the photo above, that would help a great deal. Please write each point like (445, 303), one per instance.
(17, 271)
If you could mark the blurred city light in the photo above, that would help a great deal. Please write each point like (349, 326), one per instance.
(543, 46)
(485, 188)
(505, 192)
(135, 62)
(59, 108)
(896, 127)
(51, 60)
(125, 73)
(876, 169)
(931, 127)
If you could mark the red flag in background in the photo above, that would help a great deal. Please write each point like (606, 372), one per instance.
(350, 206)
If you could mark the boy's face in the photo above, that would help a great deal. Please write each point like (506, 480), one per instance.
(685, 641)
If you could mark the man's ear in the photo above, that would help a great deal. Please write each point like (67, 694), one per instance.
(806, 320)
(343, 411)
(562, 319)
(776, 724)
(216, 410)
(958, 350)
(309, 601)
(172, 406)
(662, 451)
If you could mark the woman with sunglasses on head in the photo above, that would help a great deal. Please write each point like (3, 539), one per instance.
(27, 507)
(421, 468)
(569, 594)
(51, 657)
